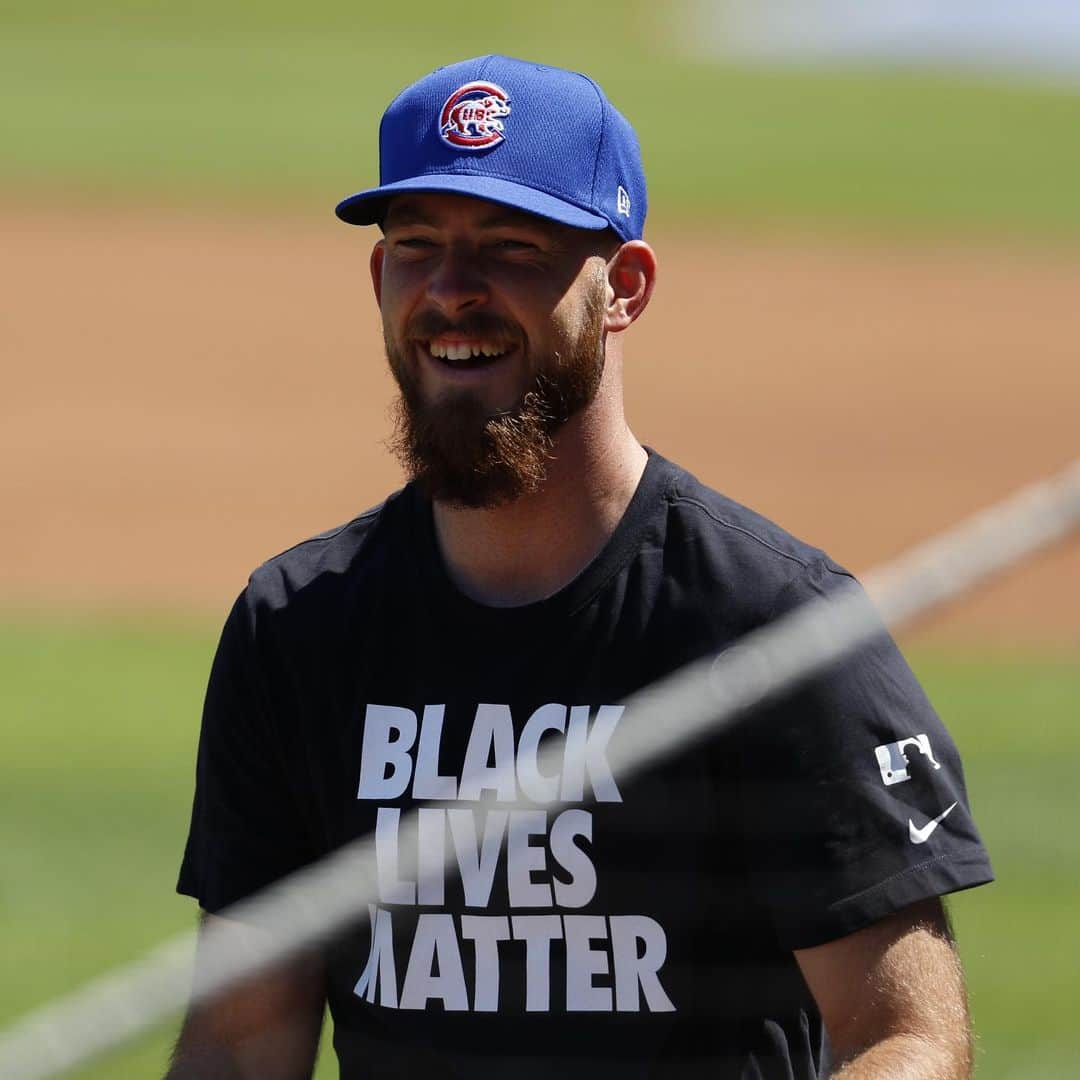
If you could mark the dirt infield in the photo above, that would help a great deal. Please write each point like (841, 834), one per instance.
(184, 397)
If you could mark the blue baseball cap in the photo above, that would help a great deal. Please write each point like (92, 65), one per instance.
(536, 138)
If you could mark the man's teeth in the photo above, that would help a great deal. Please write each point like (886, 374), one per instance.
(464, 350)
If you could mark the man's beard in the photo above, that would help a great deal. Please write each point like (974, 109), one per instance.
(456, 451)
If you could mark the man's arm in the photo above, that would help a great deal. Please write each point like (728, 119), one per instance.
(266, 1028)
(893, 1000)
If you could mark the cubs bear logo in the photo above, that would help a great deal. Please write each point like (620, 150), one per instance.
(471, 119)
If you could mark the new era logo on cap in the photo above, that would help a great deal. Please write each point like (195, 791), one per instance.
(537, 138)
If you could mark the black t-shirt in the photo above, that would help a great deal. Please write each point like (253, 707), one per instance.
(596, 927)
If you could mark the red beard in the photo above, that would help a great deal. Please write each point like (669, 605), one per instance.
(456, 450)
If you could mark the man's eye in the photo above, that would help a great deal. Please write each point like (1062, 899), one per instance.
(416, 243)
(514, 245)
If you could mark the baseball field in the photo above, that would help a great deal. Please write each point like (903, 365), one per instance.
(865, 327)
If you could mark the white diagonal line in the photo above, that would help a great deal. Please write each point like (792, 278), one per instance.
(319, 901)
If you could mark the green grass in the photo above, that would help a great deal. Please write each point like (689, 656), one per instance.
(99, 722)
(1019, 727)
(279, 103)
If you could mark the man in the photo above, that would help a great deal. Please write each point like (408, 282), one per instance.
(765, 905)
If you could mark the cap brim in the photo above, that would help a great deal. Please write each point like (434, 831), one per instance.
(368, 207)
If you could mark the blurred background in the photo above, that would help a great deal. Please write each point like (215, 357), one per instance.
(866, 326)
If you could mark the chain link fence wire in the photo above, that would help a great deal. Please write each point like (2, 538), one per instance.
(313, 905)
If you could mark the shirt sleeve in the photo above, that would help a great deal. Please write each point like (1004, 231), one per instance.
(245, 830)
(851, 792)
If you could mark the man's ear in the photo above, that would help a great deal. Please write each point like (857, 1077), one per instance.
(378, 253)
(631, 276)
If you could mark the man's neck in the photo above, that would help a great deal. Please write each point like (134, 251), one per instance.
(530, 548)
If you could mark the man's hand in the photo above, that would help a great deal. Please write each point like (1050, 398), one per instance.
(266, 1028)
(893, 1000)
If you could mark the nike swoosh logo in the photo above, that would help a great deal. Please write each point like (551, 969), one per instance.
(920, 836)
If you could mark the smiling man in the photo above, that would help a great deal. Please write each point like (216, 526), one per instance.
(764, 905)
(494, 328)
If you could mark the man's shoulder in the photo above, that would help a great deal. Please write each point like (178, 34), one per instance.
(349, 552)
(740, 566)
(733, 532)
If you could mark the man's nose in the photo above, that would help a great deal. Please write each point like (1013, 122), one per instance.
(456, 284)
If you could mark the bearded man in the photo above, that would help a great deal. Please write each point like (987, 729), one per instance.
(764, 905)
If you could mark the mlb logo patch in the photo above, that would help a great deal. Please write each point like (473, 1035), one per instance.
(472, 117)
(892, 758)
